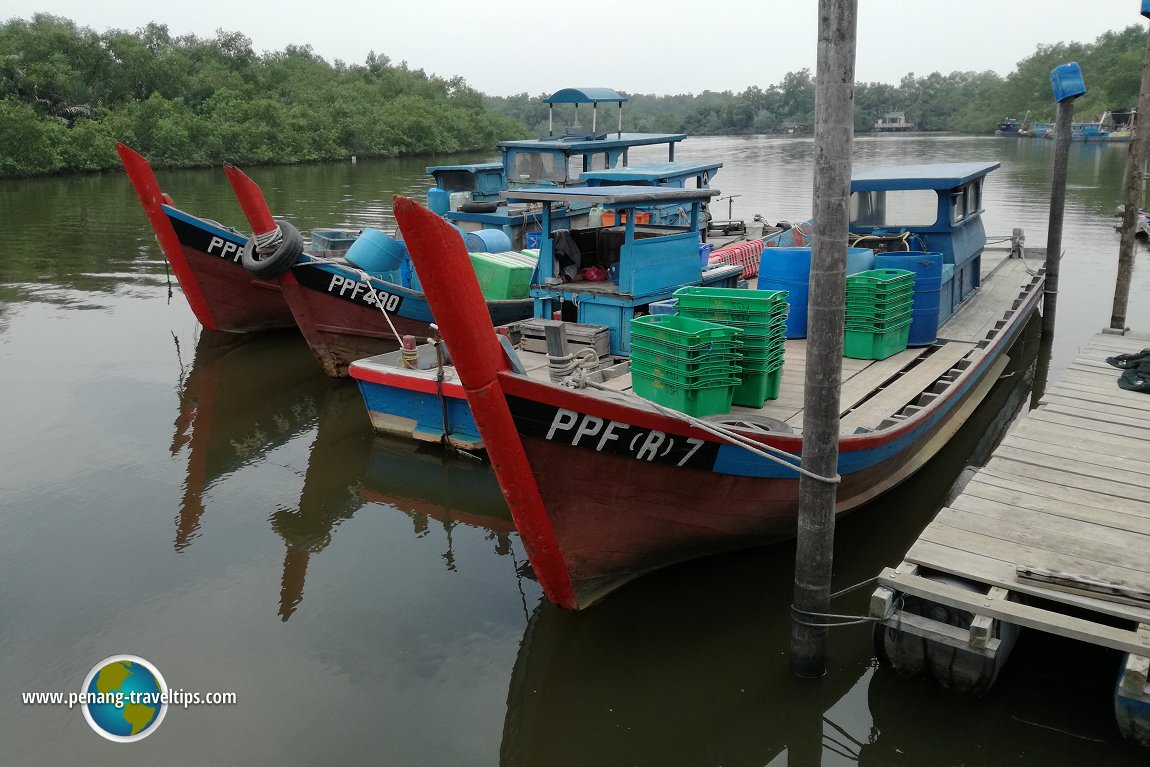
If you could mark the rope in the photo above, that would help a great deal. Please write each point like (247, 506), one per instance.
(269, 241)
(372, 294)
(834, 620)
(561, 366)
(768, 452)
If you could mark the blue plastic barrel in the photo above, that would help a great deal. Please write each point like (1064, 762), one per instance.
(927, 268)
(487, 241)
(439, 201)
(376, 251)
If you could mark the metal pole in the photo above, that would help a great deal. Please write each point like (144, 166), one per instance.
(1135, 179)
(834, 131)
(1057, 208)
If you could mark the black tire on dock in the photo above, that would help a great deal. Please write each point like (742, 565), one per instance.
(963, 672)
(272, 266)
(479, 206)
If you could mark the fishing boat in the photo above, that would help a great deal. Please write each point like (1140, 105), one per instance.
(604, 485)
(417, 394)
(205, 257)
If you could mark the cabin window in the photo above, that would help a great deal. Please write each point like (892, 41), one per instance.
(889, 209)
(456, 181)
(957, 206)
(974, 199)
(538, 167)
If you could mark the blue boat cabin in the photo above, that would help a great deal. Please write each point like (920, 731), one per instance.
(935, 208)
(645, 262)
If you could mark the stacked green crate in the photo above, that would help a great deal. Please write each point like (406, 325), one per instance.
(762, 317)
(684, 364)
(880, 304)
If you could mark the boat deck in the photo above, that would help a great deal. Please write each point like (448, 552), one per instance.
(1052, 533)
(877, 393)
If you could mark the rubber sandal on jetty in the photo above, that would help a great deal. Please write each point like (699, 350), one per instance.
(1128, 361)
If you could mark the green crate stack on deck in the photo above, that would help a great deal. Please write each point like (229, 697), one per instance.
(762, 317)
(685, 364)
(879, 312)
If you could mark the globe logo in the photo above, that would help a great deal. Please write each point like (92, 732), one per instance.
(124, 698)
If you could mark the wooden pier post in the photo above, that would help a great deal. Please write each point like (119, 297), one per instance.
(1065, 97)
(834, 131)
(1135, 184)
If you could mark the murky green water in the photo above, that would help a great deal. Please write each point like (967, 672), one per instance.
(218, 507)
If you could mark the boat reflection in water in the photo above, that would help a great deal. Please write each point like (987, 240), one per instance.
(689, 665)
(244, 398)
(239, 401)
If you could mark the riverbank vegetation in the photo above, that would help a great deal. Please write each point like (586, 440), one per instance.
(66, 92)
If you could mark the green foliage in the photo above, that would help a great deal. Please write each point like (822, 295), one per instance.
(66, 93)
(967, 101)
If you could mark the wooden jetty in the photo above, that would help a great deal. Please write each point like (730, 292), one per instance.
(1052, 534)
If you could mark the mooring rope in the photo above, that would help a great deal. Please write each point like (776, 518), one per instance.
(373, 295)
(561, 366)
(268, 241)
(768, 452)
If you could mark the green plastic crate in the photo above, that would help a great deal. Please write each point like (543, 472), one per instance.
(503, 276)
(726, 374)
(875, 344)
(680, 331)
(755, 389)
(686, 352)
(874, 323)
(698, 401)
(748, 324)
(683, 363)
(881, 279)
(731, 299)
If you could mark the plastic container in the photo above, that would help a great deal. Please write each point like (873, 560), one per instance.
(698, 401)
(704, 253)
(755, 389)
(641, 217)
(680, 331)
(487, 241)
(439, 201)
(875, 344)
(503, 276)
(376, 251)
(1066, 81)
(722, 373)
(928, 271)
(325, 240)
(695, 353)
(707, 363)
(661, 307)
(732, 299)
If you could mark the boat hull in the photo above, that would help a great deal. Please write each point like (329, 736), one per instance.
(627, 490)
(207, 265)
(342, 320)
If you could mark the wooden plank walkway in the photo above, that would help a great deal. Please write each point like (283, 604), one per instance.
(1054, 532)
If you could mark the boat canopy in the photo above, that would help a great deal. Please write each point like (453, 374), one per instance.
(577, 96)
(937, 176)
(653, 173)
(610, 196)
(585, 96)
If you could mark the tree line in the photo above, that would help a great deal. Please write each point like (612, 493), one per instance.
(66, 92)
(965, 102)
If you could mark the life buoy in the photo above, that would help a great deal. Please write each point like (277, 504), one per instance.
(268, 267)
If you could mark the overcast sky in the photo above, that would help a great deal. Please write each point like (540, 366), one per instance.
(673, 46)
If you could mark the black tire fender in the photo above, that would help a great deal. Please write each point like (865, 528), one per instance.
(271, 266)
(479, 206)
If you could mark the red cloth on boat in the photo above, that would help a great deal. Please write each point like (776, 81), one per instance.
(745, 254)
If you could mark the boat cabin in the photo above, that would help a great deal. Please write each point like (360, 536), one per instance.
(673, 175)
(935, 208)
(643, 263)
(468, 195)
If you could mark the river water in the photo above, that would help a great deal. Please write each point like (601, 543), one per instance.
(217, 506)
